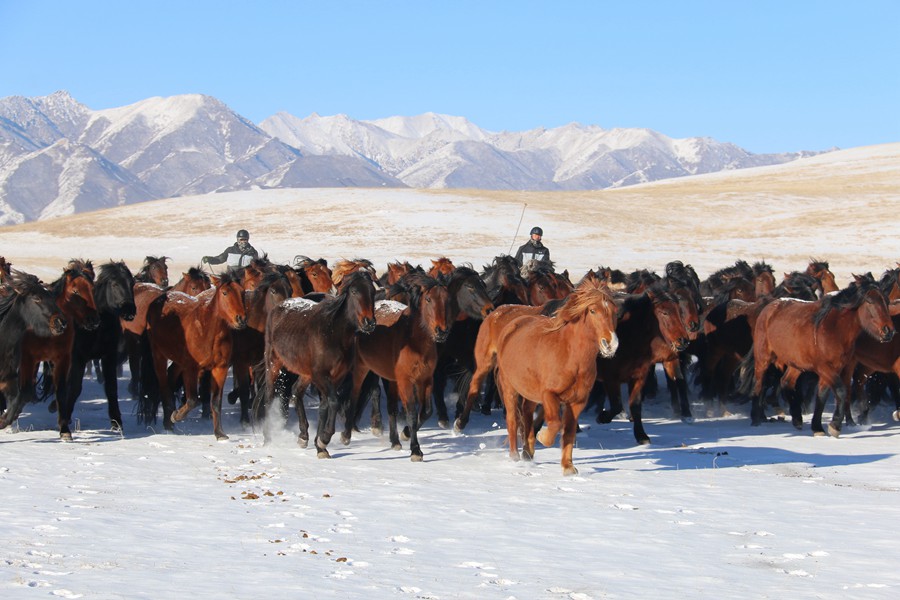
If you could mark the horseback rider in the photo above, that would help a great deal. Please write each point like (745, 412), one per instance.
(533, 249)
(237, 255)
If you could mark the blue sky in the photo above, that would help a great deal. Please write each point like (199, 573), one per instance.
(769, 76)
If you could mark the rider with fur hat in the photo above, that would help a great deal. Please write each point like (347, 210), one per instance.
(237, 255)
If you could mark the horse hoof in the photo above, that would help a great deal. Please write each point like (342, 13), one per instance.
(221, 437)
(833, 430)
(818, 434)
(644, 441)
(396, 447)
(443, 423)
(567, 471)
(797, 425)
(115, 426)
(416, 457)
(303, 442)
(345, 439)
(404, 435)
(687, 420)
(896, 415)
(458, 426)
(65, 437)
(544, 438)
(323, 454)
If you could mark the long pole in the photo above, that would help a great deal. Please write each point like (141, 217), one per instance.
(522, 216)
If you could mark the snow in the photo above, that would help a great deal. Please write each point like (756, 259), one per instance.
(713, 509)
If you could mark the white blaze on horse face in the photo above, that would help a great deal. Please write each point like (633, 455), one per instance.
(608, 347)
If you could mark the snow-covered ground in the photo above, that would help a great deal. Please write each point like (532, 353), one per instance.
(713, 509)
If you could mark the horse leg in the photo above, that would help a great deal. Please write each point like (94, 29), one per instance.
(636, 405)
(439, 384)
(204, 394)
(525, 410)
(411, 397)
(570, 427)
(839, 388)
(613, 392)
(511, 401)
(552, 423)
(374, 393)
(328, 409)
(217, 383)
(356, 403)
(61, 384)
(392, 409)
(681, 405)
(816, 425)
(108, 366)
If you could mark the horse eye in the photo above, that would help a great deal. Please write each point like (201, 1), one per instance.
(593, 311)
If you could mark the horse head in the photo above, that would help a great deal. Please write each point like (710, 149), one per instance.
(114, 290)
(229, 300)
(874, 314)
(192, 282)
(441, 266)
(154, 270)
(595, 306)
(820, 270)
(430, 299)
(358, 294)
(74, 293)
(468, 294)
(667, 313)
(34, 304)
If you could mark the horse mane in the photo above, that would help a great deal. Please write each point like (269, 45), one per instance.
(849, 297)
(817, 266)
(344, 267)
(20, 284)
(198, 273)
(332, 305)
(889, 279)
(301, 261)
(113, 269)
(576, 304)
(761, 267)
(534, 268)
(797, 284)
(144, 273)
(76, 269)
(640, 278)
(414, 285)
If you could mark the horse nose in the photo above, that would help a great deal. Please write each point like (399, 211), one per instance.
(694, 326)
(57, 325)
(240, 322)
(487, 309)
(164, 283)
(608, 347)
(368, 325)
(887, 333)
(440, 334)
(681, 343)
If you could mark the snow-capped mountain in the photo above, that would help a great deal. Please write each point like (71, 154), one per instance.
(57, 156)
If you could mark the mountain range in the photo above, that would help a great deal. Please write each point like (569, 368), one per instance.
(58, 157)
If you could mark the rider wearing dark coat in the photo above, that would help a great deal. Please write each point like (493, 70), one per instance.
(237, 255)
(533, 249)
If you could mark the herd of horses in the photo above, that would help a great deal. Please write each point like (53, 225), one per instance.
(524, 338)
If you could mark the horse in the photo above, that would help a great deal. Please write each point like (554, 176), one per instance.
(25, 306)
(193, 281)
(682, 281)
(469, 305)
(314, 275)
(74, 293)
(248, 344)
(402, 351)
(570, 342)
(543, 283)
(395, 271)
(317, 342)
(441, 266)
(114, 297)
(818, 337)
(154, 270)
(890, 284)
(503, 281)
(194, 332)
(5, 269)
(650, 330)
(820, 270)
(345, 267)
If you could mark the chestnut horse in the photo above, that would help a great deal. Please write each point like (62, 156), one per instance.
(503, 281)
(192, 282)
(314, 275)
(402, 351)
(441, 266)
(820, 270)
(818, 337)
(317, 342)
(195, 334)
(74, 292)
(569, 343)
(25, 306)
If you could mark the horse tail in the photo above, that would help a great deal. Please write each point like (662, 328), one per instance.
(746, 375)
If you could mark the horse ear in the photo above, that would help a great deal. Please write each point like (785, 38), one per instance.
(215, 280)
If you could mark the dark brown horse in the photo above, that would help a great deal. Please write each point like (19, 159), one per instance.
(818, 337)
(396, 270)
(314, 275)
(503, 281)
(154, 270)
(192, 282)
(544, 284)
(74, 292)
(650, 330)
(25, 306)
(569, 343)
(195, 334)
(821, 271)
(402, 351)
(317, 342)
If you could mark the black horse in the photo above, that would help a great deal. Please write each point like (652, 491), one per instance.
(114, 296)
(25, 305)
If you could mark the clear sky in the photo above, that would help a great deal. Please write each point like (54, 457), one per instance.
(769, 76)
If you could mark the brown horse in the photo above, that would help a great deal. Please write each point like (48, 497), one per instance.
(569, 342)
(5, 269)
(195, 334)
(820, 270)
(154, 270)
(544, 284)
(192, 282)
(317, 342)
(314, 275)
(818, 337)
(395, 271)
(74, 293)
(402, 350)
(345, 267)
(441, 266)
(25, 306)
(650, 330)
(503, 281)
(249, 343)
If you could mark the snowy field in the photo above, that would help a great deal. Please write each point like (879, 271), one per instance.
(713, 509)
